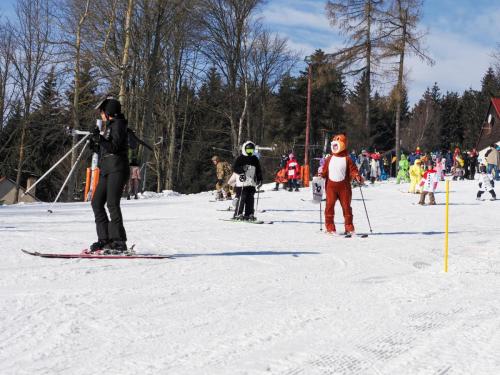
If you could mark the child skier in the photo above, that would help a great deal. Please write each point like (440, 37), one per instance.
(224, 172)
(486, 183)
(428, 184)
(293, 168)
(374, 168)
(247, 166)
(416, 173)
(281, 173)
(404, 166)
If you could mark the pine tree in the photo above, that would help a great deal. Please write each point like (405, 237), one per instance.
(472, 117)
(47, 138)
(452, 132)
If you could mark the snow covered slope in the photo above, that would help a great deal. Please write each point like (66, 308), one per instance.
(255, 299)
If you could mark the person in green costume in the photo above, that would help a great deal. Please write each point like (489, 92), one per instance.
(404, 167)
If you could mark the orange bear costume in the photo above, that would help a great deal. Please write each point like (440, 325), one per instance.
(338, 172)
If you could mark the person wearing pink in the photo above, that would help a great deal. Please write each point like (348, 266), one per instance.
(440, 166)
(293, 172)
(135, 179)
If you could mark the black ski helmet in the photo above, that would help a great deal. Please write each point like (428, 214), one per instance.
(110, 106)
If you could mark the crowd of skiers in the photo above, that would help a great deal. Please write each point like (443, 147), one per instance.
(244, 177)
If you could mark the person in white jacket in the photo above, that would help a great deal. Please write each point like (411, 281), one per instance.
(374, 169)
(428, 184)
(486, 183)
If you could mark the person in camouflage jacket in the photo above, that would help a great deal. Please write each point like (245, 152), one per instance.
(224, 172)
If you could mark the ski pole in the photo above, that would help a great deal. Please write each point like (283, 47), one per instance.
(320, 216)
(237, 208)
(55, 165)
(257, 205)
(69, 175)
(366, 211)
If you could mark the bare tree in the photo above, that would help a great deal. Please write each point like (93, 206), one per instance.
(30, 57)
(6, 55)
(402, 27)
(227, 25)
(72, 17)
(271, 60)
(358, 21)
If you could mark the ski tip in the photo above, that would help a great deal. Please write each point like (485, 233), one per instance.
(35, 253)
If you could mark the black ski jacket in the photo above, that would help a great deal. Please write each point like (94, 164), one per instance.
(114, 147)
(242, 160)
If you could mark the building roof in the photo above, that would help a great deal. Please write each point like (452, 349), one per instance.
(496, 104)
(8, 180)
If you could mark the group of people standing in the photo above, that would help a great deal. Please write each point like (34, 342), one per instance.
(288, 173)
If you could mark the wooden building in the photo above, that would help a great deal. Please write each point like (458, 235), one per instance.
(490, 131)
(8, 192)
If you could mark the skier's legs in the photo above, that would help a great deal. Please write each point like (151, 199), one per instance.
(114, 189)
(493, 195)
(135, 186)
(249, 202)
(98, 202)
(236, 200)
(241, 201)
(422, 197)
(432, 201)
(413, 184)
(345, 197)
(331, 199)
(479, 193)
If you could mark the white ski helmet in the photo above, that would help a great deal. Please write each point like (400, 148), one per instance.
(248, 148)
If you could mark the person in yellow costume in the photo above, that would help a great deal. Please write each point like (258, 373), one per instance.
(416, 173)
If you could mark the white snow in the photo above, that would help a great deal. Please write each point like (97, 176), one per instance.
(256, 299)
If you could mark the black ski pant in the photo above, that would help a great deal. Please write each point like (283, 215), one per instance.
(492, 193)
(246, 200)
(109, 191)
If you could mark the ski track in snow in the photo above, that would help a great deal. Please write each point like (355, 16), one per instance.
(255, 299)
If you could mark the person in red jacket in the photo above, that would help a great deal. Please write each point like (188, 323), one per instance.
(293, 172)
(338, 172)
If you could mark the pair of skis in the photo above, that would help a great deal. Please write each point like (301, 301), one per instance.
(249, 221)
(348, 235)
(96, 256)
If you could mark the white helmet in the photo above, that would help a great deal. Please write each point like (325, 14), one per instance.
(248, 148)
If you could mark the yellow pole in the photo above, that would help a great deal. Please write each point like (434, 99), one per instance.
(446, 226)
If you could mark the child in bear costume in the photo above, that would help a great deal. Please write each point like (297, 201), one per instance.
(339, 170)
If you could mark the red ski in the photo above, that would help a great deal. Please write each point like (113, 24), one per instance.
(97, 256)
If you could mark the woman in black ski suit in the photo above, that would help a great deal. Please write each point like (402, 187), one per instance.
(113, 175)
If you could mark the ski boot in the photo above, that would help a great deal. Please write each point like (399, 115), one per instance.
(249, 218)
(117, 248)
(97, 247)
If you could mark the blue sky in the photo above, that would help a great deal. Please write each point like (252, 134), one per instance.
(462, 36)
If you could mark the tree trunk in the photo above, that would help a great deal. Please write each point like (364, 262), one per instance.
(399, 95)
(76, 99)
(368, 67)
(20, 162)
(124, 65)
